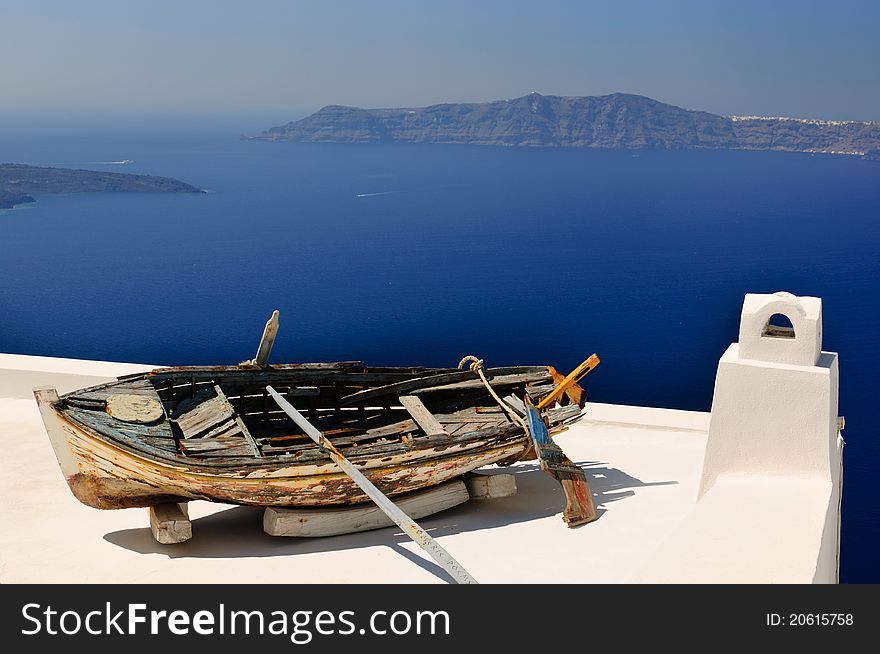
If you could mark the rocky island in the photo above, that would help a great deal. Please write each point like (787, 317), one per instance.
(19, 183)
(616, 121)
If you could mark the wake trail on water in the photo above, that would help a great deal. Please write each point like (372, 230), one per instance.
(370, 195)
(124, 162)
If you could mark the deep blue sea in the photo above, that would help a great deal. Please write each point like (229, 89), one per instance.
(422, 254)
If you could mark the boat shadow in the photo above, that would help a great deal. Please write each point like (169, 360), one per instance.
(238, 531)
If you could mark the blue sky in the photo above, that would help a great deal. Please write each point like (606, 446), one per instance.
(815, 59)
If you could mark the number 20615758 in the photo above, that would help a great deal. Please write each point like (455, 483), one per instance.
(809, 619)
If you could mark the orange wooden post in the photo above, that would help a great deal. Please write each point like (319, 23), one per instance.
(572, 378)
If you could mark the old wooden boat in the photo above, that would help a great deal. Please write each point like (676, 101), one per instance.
(212, 433)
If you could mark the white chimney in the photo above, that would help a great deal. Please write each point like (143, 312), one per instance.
(774, 411)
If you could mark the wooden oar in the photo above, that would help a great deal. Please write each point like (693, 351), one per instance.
(579, 507)
(409, 526)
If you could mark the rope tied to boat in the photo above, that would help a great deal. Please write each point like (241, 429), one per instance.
(477, 367)
(476, 364)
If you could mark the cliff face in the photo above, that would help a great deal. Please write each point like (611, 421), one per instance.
(18, 182)
(844, 137)
(618, 121)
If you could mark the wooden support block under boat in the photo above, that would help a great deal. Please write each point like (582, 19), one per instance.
(170, 523)
(486, 486)
(278, 521)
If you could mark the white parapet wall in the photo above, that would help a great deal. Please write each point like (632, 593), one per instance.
(771, 478)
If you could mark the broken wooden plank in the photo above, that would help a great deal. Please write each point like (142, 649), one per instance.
(252, 443)
(394, 428)
(424, 419)
(516, 404)
(486, 486)
(538, 391)
(306, 522)
(204, 416)
(170, 523)
(255, 449)
(223, 430)
(270, 332)
(563, 414)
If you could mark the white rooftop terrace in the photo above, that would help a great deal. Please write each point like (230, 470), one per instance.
(748, 493)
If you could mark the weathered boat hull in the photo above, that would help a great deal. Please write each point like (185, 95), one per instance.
(104, 475)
